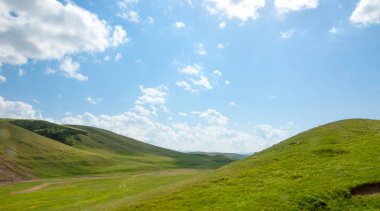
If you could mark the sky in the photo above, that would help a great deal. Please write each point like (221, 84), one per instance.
(191, 75)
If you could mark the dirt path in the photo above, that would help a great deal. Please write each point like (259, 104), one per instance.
(34, 188)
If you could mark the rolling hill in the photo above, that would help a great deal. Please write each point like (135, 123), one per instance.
(334, 166)
(39, 149)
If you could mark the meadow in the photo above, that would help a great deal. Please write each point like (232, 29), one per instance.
(322, 168)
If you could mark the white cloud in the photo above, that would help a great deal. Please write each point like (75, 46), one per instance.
(47, 29)
(213, 117)
(126, 4)
(220, 45)
(287, 34)
(241, 9)
(179, 25)
(131, 16)
(17, 109)
(222, 25)
(367, 12)
(334, 30)
(153, 96)
(194, 69)
(50, 71)
(201, 50)
(3, 79)
(107, 58)
(217, 73)
(186, 86)
(70, 69)
(211, 133)
(284, 6)
(119, 36)
(21, 72)
(196, 80)
(92, 100)
(126, 12)
(227, 82)
(118, 56)
(232, 104)
(202, 82)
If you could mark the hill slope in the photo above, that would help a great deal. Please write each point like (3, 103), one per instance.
(317, 169)
(32, 148)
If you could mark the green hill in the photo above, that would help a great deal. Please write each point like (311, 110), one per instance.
(332, 166)
(39, 149)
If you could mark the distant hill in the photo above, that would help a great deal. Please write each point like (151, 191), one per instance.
(230, 155)
(35, 148)
(335, 166)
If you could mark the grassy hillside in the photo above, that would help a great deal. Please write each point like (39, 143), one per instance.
(31, 148)
(314, 170)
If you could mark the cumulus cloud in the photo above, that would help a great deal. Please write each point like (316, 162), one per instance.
(69, 68)
(126, 12)
(186, 86)
(335, 30)
(131, 16)
(241, 9)
(367, 12)
(220, 45)
(3, 79)
(92, 100)
(107, 58)
(213, 117)
(194, 69)
(17, 109)
(196, 80)
(49, 29)
(201, 50)
(153, 97)
(126, 4)
(284, 6)
(217, 73)
(211, 133)
(287, 34)
(179, 24)
(119, 36)
(202, 82)
(21, 73)
(222, 25)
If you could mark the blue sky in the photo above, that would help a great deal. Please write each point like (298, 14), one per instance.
(207, 75)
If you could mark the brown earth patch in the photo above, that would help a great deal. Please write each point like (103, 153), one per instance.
(11, 172)
(366, 189)
(34, 188)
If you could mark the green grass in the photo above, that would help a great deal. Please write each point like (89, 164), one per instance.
(313, 170)
(32, 148)
(101, 192)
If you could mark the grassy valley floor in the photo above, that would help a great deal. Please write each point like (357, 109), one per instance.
(100, 192)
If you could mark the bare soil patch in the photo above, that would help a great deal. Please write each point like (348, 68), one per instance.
(34, 188)
(366, 189)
